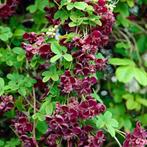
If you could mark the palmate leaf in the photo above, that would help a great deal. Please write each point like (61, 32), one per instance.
(5, 33)
(126, 73)
(106, 121)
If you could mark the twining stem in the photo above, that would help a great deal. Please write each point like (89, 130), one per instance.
(34, 123)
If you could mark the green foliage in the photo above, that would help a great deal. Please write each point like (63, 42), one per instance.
(14, 142)
(2, 84)
(128, 62)
(39, 5)
(51, 74)
(17, 82)
(60, 51)
(127, 71)
(106, 121)
(5, 33)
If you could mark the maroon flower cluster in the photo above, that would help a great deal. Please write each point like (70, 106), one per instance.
(69, 83)
(64, 124)
(137, 139)
(8, 8)
(6, 103)
(36, 45)
(23, 127)
(87, 48)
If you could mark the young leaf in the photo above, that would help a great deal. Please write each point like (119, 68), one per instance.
(68, 57)
(55, 48)
(5, 33)
(119, 61)
(80, 5)
(55, 58)
(70, 6)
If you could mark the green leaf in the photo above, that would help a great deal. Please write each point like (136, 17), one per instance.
(19, 32)
(55, 58)
(72, 24)
(70, 6)
(80, 5)
(18, 50)
(47, 76)
(96, 96)
(55, 48)
(68, 57)
(62, 14)
(2, 84)
(122, 45)
(14, 142)
(2, 143)
(108, 115)
(125, 74)
(5, 33)
(130, 3)
(122, 8)
(142, 119)
(111, 130)
(32, 8)
(55, 77)
(141, 76)
(41, 126)
(22, 91)
(49, 108)
(38, 116)
(141, 101)
(107, 122)
(119, 61)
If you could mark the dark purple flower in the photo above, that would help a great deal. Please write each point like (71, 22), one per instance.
(22, 125)
(90, 108)
(84, 86)
(6, 103)
(67, 82)
(64, 124)
(8, 8)
(100, 64)
(97, 141)
(35, 45)
(28, 141)
(136, 139)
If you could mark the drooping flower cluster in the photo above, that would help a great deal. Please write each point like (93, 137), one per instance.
(6, 103)
(23, 127)
(8, 8)
(36, 45)
(87, 47)
(65, 124)
(136, 139)
(69, 83)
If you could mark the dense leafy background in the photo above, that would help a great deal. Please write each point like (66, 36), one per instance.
(122, 85)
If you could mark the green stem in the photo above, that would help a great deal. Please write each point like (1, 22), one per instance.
(118, 141)
(34, 123)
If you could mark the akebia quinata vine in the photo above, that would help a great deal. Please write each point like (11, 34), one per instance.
(60, 102)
